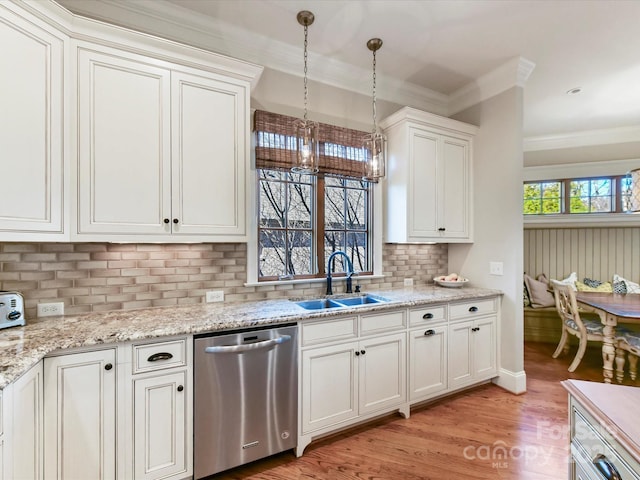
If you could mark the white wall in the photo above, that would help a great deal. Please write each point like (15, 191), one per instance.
(498, 231)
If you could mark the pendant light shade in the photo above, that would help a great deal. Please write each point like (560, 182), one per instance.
(634, 193)
(375, 143)
(306, 160)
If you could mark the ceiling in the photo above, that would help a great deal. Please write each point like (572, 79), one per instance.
(435, 49)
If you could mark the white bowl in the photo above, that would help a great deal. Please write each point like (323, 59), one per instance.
(451, 284)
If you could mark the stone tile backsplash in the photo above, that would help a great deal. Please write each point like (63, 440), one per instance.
(105, 276)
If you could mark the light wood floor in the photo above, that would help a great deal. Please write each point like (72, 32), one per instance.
(484, 433)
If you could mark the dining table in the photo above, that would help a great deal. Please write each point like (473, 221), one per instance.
(613, 309)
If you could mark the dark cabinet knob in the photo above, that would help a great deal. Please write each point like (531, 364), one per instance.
(175, 220)
(180, 388)
(357, 353)
(427, 316)
(430, 332)
(108, 366)
(473, 309)
(362, 352)
(166, 220)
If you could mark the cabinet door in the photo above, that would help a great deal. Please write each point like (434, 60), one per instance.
(208, 155)
(460, 353)
(26, 425)
(484, 348)
(382, 367)
(80, 416)
(454, 201)
(160, 425)
(424, 182)
(124, 163)
(31, 124)
(329, 386)
(427, 362)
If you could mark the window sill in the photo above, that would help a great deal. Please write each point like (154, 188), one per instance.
(355, 279)
(582, 220)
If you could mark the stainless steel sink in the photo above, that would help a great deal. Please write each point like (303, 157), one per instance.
(325, 303)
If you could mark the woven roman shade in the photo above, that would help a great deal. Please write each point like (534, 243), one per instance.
(340, 149)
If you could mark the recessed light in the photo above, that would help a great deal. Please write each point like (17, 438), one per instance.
(574, 91)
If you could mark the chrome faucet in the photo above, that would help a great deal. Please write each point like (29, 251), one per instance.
(349, 271)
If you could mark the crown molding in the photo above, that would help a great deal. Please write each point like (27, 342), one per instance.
(514, 72)
(582, 139)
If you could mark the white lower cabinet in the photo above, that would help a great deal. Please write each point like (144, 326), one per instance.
(162, 411)
(22, 432)
(342, 383)
(472, 351)
(355, 368)
(80, 415)
(427, 362)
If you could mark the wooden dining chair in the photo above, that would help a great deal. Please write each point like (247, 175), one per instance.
(584, 328)
(627, 343)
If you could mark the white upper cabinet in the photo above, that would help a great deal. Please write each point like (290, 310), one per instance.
(429, 178)
(162, 150)
(32, 127)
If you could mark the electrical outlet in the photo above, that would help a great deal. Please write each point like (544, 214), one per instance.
(408, 282)
(496, 268)
(50, 309)
(215, 296)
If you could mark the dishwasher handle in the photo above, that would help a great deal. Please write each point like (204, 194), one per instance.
(249, 346)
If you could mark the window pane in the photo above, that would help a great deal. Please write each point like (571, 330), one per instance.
(542, 198)
(357, 250)
(601, 204)
(625, 187)
(272, 256)
(300, 252)
(356, 209)
(334, 241)
(299, 213)
(591, 196)
(273, 203)
(334, 208)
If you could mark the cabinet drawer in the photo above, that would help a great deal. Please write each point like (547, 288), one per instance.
(328, 330)
(472, 308)
(427, 315)
(155, 356)
(382, 322)
(591, 438)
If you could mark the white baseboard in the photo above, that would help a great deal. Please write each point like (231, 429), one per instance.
(514, 382)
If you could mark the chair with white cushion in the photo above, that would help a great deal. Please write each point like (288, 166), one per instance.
(585, 329)
(627, 342)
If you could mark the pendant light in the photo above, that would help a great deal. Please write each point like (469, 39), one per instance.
(634, 192)
(375, 143)
(306, 131)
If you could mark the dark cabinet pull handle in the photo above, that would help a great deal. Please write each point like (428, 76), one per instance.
(475, 329)
(175, 220)
(108, 366)
(166, 220)
(362, 352)
(427, 316)
(357, 353)
(430, 332)
(606, 468)
(441, 229)
(473, 309)
(160, 356)
(180, 388)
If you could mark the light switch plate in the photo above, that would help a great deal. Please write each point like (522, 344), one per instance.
(408, 282)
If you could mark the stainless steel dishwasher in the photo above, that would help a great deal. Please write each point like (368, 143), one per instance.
(246, 392)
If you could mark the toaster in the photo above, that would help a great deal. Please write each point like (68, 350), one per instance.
(11, 309)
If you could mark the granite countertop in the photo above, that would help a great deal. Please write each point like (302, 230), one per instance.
(23, 347)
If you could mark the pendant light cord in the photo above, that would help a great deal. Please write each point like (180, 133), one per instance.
(306, 89)
(375, 125)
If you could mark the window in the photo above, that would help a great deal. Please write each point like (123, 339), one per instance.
(303, 219)
(577, 196)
